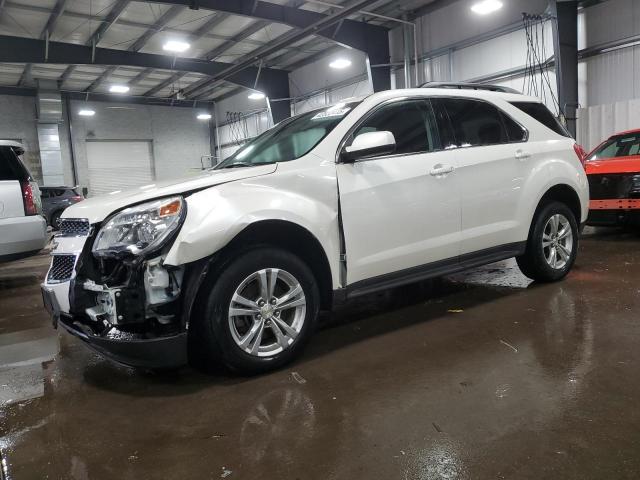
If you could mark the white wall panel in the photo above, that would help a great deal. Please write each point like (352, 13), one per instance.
(598, 122)
(613, 76)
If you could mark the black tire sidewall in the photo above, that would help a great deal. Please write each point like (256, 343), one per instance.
(535, 242)
(55, 220)
(215, 315)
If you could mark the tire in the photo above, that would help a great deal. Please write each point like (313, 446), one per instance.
(537, 261)
(55, 220)
(217, 337)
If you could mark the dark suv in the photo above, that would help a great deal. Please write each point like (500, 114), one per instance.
(55, 200)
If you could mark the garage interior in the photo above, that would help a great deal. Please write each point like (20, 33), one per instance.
(481, 374)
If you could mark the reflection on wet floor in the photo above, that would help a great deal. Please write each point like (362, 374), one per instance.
(478, 375)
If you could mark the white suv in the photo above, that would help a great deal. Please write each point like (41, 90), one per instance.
(233, 266)
(22, 226)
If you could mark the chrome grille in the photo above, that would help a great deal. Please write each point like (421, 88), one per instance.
(61, 268)
(74, 227)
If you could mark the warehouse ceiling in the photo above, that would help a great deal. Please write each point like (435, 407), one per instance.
(145, 26)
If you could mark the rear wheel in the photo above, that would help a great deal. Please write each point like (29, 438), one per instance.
(259, 313)
(552, 244)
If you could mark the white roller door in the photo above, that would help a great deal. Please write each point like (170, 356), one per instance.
(118, 165)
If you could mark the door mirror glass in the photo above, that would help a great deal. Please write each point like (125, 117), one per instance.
(370, 144)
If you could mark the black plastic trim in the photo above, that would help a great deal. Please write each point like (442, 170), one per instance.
(161, 352)
(431, 270)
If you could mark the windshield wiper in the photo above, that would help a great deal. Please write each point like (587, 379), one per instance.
(238, 164)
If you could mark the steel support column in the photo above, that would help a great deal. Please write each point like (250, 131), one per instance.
(565, 40)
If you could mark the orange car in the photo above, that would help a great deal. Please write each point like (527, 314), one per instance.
(613, 170)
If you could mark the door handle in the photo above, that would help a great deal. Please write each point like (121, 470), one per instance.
(522, 155)
(440, 169)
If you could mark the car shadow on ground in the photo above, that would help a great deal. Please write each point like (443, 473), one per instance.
(356, 321)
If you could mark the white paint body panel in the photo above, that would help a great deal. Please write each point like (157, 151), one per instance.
(11, 203)
(395, 215)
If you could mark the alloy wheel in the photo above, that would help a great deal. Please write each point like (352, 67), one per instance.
(557, 241)
(267, 312)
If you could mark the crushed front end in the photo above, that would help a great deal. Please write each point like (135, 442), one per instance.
(614, 199)
(108, 285)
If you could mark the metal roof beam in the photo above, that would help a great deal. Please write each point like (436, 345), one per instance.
(57, 12)
(247, 32)
(29, 50)
(169, 81)
(162, 22)
(353, 33)
(323, 23)
(111, 18)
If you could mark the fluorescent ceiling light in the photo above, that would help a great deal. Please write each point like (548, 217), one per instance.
(203, 116)
(176, 46)
(87, 112)
(486, 6)
(340, 63)
(118, 89)
(256, 96)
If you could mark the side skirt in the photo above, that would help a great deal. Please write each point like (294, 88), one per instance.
(430, 270)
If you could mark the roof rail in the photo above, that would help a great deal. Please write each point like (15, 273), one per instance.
(470, 86)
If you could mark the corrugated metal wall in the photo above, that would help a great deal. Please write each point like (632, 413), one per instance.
(610, 81)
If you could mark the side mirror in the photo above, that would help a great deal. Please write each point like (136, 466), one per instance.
(370, 144)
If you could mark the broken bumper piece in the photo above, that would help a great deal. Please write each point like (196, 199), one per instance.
(130, 349)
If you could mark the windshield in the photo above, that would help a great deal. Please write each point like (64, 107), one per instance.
(618, 146)
(290, 139)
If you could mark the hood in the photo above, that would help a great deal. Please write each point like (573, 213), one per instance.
(98, 208)
(630, 164)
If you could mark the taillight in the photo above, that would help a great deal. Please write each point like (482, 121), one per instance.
(30, 206)
(77, 198)
(580, 152)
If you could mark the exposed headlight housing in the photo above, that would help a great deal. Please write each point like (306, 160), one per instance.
(140, 229)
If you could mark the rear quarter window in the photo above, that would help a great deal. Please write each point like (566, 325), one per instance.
(11, 168)
(542, 114)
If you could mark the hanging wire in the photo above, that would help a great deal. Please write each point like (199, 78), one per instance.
(537, 80)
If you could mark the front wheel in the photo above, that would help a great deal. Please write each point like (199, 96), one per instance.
(260, 312)
(552, 244)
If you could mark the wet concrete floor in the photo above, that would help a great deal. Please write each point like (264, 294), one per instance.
(479, 375)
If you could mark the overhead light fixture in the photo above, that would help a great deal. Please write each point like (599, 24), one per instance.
(486, 6)
(204, 116)
(176, 46)
(86, 112)
(118, 89)
(340, 63)
(256, 96)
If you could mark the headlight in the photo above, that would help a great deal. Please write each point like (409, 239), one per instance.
(139, 229)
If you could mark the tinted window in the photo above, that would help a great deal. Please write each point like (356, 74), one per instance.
(618, 146)
(475, 122)
(411, 122)
(515, 131)
(542, 114)
(11, 167)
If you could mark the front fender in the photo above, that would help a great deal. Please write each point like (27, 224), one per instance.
(216, 215)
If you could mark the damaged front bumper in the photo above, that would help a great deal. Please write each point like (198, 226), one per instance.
(136, 351)
(130, 311)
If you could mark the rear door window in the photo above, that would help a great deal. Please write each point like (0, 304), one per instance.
(542, 114)
(475, 122)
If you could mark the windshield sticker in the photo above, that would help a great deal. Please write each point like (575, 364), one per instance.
(331, 112)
